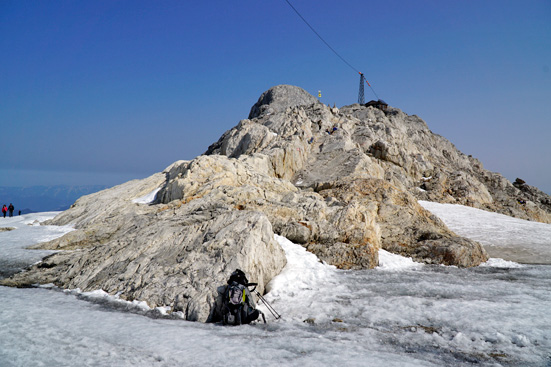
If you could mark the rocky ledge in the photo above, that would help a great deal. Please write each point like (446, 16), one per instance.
(343, 183)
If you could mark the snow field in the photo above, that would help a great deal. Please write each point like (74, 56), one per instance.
(400, 314)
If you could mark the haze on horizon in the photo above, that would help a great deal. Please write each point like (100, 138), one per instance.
(103, 92)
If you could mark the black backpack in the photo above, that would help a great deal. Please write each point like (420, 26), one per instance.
(235, 308)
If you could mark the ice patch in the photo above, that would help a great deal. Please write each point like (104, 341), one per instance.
(99, 296)
(521, 340)
(500, 263)
(147, 199)
(389, 261)
(55, 232)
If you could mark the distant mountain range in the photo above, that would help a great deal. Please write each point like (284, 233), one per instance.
(44, 198)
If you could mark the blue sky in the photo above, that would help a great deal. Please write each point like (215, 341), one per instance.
(101, 92)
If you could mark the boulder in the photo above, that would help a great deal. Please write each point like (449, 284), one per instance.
(305, 217)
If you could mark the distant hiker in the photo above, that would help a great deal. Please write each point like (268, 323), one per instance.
(20, 212)
(4, 210)
(11, 209)
(235, 305)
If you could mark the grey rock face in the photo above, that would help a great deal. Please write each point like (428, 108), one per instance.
(313, 143)
(432, 168)
(303, 216)
(277, 99)
(532, 195)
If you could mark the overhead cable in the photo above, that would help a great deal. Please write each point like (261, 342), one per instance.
(321, 38)
(329, 46)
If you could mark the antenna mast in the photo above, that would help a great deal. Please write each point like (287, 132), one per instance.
(361, 98)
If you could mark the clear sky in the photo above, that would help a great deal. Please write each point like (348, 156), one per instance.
(101, 92)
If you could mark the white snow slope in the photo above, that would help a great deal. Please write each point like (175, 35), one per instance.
(502, 236)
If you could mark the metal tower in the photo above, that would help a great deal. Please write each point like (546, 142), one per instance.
(361, 98)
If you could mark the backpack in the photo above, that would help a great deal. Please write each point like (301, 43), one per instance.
(238, 308)
(234, 304)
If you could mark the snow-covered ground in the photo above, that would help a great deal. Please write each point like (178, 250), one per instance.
(25, 231)
(502, 236)
(147, 199)
(399, 314)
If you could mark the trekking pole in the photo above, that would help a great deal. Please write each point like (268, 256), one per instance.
(268, 306)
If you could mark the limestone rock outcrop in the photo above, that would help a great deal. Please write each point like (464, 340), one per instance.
(167, 255)
(341, 182)
(310, 144)
(279, 98)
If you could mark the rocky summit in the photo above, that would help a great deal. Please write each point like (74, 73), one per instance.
(343, 183)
